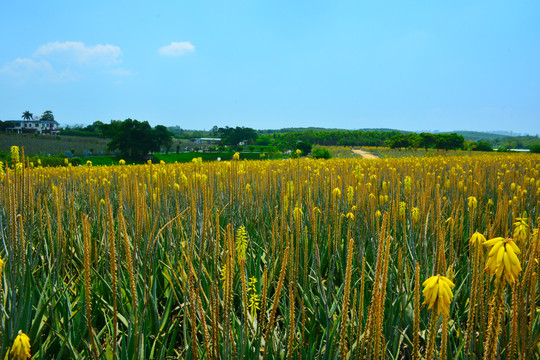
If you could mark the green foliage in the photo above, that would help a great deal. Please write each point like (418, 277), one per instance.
(233, 136)
(304, 146)
(163, 137)
(482, 146)
(333, 138)
(398, 142)
(321, 153)
(27, 115)
(47, 116)
(426, 140)
(137, 139)
(535, 149)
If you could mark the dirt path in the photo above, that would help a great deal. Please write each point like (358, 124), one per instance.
(365, 154)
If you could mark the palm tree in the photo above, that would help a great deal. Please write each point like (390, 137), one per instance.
(27, 115)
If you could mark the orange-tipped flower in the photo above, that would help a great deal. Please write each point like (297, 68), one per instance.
(502, 259)
(21, 347)
(438, 293)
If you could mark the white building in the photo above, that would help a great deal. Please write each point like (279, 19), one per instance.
(32, 126)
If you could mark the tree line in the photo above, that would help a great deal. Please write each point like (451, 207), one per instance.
(425, 140)
(393, 139)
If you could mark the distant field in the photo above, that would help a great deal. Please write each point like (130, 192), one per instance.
(50, 144)
(167, 158)
(384, 152)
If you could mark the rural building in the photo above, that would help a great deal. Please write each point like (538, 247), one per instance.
(207, 140)
(32, 126)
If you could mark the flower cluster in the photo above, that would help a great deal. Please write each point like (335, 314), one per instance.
(438, 293)
(502, 258)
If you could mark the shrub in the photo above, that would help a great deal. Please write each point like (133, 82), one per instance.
(482, 146)
(304, 146)
(321, 153)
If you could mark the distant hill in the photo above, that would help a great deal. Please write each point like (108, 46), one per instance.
(498, 139)
(477, 135)
(320, 129)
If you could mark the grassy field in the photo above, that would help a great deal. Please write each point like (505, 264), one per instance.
(301, 258)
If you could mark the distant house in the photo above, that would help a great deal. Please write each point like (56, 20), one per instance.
(207, 140)
(32, 126)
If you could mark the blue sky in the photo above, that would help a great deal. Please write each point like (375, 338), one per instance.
(421, 65)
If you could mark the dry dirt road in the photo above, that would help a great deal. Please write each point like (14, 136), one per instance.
(365, 154)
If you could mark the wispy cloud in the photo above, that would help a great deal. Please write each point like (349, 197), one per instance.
(65, 61)
(25, 69)
(121, 72)
(79, 52)
(177, 49)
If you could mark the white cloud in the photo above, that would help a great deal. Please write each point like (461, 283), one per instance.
(79, 52)
(65, 61)
(26, 69)
(177, 49)
(121, 72)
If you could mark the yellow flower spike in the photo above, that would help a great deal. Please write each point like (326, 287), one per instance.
(122, 162)
(241, 243)
(477, 239)
(21, 347)
(521, 228)
(415, 213)
(223, 272)
(502, 259)
(402, 208)
(236, 156)
(472, 202)
(297, 213)
(350, 195)
(15, 154)
(438, 293)
(493, 241)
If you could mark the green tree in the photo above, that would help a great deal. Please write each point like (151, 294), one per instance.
(163, 137)
(233, 136)
(451, 141)
(304, 146)
(47, 116)
(427, 140)
(134, 139)
(398, 142)
(535, 149)
(321, 153)
(109, 130)
(27, 115)
(482, 146)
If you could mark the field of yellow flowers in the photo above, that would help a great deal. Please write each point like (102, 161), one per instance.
(316, 259)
